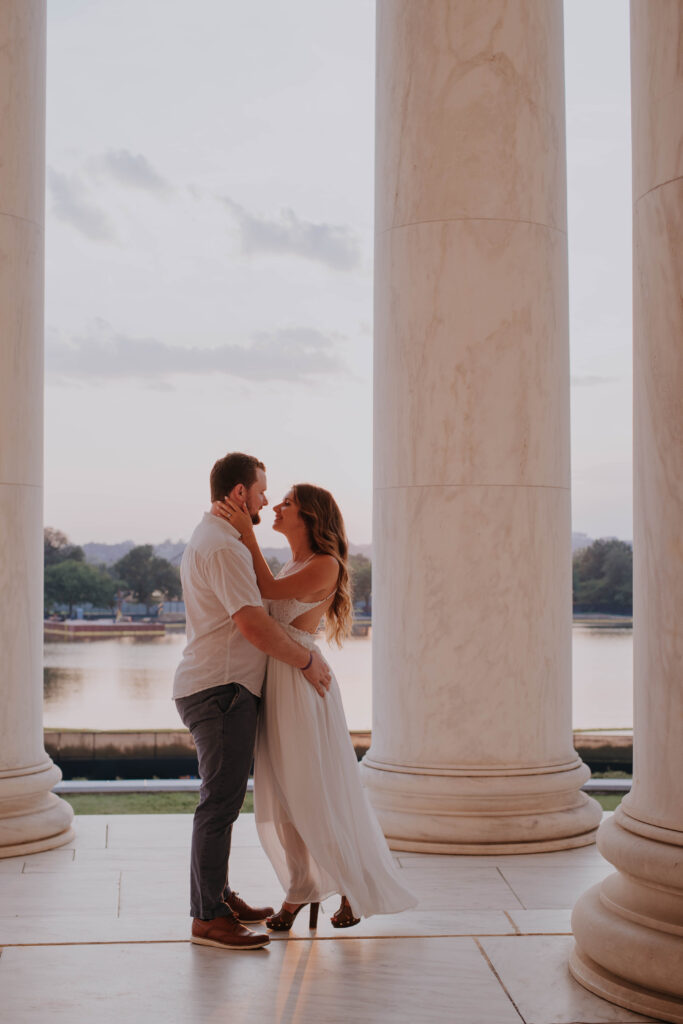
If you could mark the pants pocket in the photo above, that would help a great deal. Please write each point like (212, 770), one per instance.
(227, 700)
(207, 704)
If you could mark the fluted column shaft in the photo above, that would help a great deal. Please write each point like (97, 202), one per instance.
(629, 930)
(472, 741)
(31, 817)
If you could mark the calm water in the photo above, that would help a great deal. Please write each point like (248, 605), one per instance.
(126, 683)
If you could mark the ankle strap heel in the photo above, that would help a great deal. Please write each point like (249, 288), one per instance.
(284, 919)
(344, 917)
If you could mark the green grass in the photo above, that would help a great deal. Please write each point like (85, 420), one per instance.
(141, 803)
(611, 775)
(608, 801)
(185, 803)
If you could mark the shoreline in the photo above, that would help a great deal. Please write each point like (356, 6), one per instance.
(170, 753)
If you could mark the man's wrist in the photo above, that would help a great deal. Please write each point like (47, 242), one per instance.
(304, 668)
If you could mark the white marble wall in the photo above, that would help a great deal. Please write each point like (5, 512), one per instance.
(31, 817)
(629, 931)
(472, 744)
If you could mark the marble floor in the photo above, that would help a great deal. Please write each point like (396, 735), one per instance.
(97, 932)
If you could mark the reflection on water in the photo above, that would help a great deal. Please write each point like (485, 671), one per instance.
(126, 683)
(602, 673)
(122, 683)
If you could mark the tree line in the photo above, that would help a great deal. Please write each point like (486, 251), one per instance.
(140, 576)
(602, 577)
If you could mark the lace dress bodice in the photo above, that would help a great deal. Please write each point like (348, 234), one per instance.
(285, 610)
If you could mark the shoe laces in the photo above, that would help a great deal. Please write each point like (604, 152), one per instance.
(236, 898)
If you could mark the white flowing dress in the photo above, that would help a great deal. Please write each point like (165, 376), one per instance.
(313, 817)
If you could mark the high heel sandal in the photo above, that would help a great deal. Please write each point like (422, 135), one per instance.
(344, 916)
(284, 919)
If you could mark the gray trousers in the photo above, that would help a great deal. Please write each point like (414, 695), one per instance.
(222, 721)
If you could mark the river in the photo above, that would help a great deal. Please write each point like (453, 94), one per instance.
(126, 683)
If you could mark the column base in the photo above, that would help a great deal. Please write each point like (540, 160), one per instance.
(31, 817)
(629, 928)
(616, 990)
(471, 811)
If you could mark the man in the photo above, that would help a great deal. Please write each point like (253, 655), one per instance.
(217, 689)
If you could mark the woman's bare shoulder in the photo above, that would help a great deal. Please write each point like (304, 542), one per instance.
(327, 565)
(322, 559)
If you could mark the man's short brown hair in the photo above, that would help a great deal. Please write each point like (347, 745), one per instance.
(233, 469)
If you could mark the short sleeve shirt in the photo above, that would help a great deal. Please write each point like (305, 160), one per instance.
(218, 580)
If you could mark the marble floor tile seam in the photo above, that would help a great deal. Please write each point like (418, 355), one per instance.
(111, 942)
(507, 883)
(461, 939)
(469, 936)
(292, 938)
(498, 978)
(28, 866)
(525, 935)
(550, 871)
(41, 880)
(535, 970)
(436, 862)
(513, 923)
(278, 939)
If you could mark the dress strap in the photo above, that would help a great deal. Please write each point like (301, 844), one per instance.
(319, 604)
(282, 571)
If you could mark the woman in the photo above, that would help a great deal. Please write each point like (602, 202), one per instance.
(313, 817)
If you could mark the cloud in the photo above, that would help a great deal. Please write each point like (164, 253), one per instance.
(293, 354)
(588, 380)
(334, 245)
(132, 170)
(71, 203)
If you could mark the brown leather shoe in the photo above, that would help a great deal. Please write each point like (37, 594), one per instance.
(246, 913)
(226, 933)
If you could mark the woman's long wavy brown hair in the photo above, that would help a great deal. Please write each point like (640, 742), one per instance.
(327, 536)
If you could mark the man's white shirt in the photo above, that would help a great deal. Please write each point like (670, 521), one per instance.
(218, 579)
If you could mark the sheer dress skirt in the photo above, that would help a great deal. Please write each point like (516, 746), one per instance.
(313, 817)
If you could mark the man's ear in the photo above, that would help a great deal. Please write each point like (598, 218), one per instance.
(239, 493)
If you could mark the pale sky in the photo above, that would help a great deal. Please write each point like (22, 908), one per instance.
(209, 258)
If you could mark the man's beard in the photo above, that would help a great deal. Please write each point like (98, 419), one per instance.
(255, 518)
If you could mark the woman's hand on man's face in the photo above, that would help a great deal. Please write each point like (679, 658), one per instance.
(235, 514)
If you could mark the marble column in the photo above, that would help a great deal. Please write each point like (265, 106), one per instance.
(472, 745)
(31, 817)
(629, 929)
